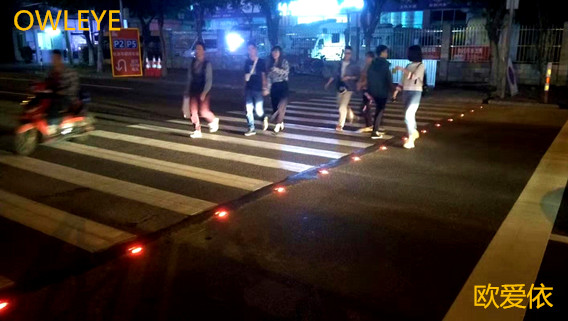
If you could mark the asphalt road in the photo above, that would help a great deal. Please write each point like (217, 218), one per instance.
(394, 236)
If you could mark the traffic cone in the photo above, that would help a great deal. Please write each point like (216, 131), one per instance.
(148, 68)
(154, 66)
(159, 68)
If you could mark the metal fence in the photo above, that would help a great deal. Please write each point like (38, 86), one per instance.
(535, 45)
(528, 45)
(470, 44)
(429, 39)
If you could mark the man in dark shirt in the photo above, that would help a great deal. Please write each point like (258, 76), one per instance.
(379, 87)
(255, 89)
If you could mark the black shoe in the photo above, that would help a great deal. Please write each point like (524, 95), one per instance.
(251, 132)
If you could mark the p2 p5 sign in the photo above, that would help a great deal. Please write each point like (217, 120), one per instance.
(125, 53)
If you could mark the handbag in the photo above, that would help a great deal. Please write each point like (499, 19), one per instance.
(425, 88)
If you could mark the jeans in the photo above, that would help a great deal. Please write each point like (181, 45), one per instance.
(343, 100)
(199, 108)
(279, 99)
(380, 104)
(254, 104)
(411, 101)
(366, 111)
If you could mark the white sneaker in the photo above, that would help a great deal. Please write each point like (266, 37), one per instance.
(282, 125)
(409, 144)
(214, 125)
(415, 135)
(365, 129)
(277, 128)
(265, 123)
(196, 134)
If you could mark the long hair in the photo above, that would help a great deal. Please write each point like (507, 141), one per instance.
(415, 53)
(273, 63)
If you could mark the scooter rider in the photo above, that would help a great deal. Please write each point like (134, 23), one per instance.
(63, 83)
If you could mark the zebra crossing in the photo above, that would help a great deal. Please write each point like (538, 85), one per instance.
(135, 176)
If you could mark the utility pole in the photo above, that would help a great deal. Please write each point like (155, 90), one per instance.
(511, 5)
(121, 14)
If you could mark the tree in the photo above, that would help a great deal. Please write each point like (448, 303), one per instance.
(269, 9)
(494, 13)
(98, 6)
(145, 11)
(370, 18)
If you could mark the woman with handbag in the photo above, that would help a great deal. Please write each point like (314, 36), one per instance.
(196, 97)
(411, 85)
(347, 77)
(278, 71)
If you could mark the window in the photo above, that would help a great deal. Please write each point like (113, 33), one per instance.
(335, 38)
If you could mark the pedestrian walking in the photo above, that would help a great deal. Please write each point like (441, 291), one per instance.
(346, 79)
(379, 87)
(411, 85)
(255, 89)
(196, 96)
(278, 71)
(362, 86)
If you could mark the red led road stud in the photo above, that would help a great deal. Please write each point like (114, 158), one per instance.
(438, 125)
(323, 171)
(424, 131)
(471, 111)
(405, 138)
(450, 120)
(383, 147)
(462, 115)
(280, 189)
(135, 250)
(221, 213)
(480, 107)
(356, 158)
(4, 305)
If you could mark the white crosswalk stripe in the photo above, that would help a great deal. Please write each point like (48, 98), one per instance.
(390, 109)
(293, 126)
(155, 197)
(121, 142)
(83, 233)
(297, 110)
(249, 142)
(235, 157)
(334, 122)
(166, 167)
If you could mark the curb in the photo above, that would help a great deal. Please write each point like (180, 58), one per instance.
(520, 104)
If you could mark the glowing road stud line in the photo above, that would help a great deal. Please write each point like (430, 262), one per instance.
(438, 125)
(450, 120)
(135, 250)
